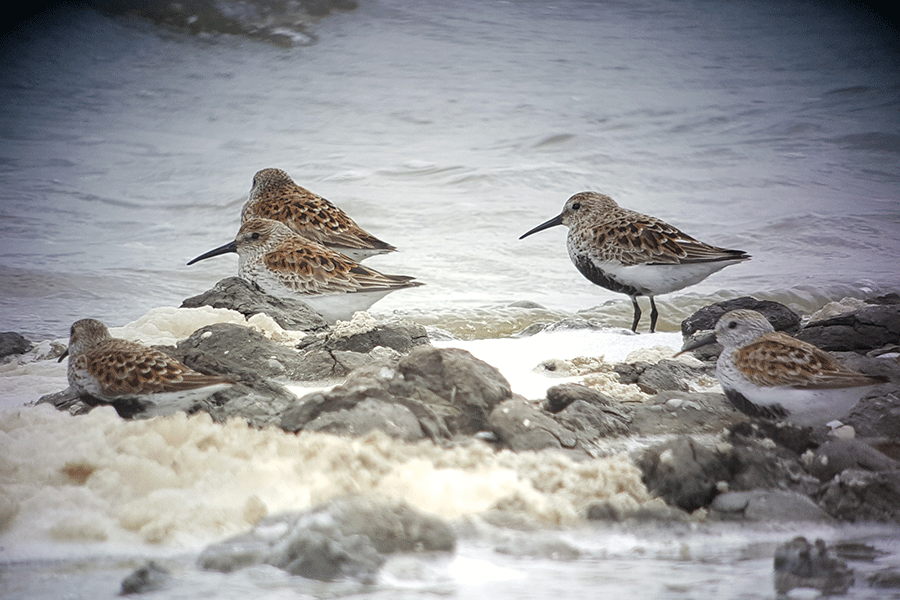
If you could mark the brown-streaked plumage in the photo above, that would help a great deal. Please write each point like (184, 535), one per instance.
(766, 373)
(634, 254)
(105, 368)
(274, 195)
(286, 264)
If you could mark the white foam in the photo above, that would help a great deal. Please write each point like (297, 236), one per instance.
(517, 358)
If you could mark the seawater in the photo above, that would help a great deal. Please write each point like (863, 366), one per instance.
(447, 129)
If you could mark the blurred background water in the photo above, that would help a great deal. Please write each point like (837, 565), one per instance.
(448, 129)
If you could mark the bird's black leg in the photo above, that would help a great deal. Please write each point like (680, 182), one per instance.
(653, 315)
(637, 314)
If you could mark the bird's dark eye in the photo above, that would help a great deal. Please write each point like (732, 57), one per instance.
(254, 235)
(576, 206)
(732, 324)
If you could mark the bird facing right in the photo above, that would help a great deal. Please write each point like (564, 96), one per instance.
(769, 374)
(634, 254)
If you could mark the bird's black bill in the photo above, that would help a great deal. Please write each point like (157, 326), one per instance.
(698, 343)
(64, 354)
(557, 220)
(229, 247)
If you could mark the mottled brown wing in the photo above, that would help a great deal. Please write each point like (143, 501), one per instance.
(314, 217)
(319, 270)
(776, 359)
(639, 239)
(131, 369)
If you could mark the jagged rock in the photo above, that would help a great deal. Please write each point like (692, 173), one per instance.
(780, 316)
(342, 538)
(449, 391)
(248, 299)
(863, 329)
(684, 472)
(799, 564)
(13, 343)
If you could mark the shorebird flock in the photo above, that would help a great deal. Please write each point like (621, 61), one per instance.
(296, 244)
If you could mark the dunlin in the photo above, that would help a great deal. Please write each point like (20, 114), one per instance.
(283, 263)
(105, 368)
(634, 254)
(769, 374)
(275, 196)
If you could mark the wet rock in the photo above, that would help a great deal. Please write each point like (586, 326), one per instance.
(859, 495)
(665, 375)
(561, 396)
(863, 329)
(836, 456)
(799, 564)
(680, 413)
(449, 391)
(12, 343)
(149, 578)
(684, 472)
(780, 316)
(248, 299)
(393, 419)
(580, 416)
(344, 538)
(521, 425)
(767, 506)
(363, 334)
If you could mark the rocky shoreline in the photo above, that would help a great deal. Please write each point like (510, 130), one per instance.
(705, 460)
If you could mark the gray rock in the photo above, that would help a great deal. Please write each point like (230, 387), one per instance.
(248, 299)
(448, 390)
(768, 506)
(13, 343)
(561, 396)
(393, 419)
(860, 495)
(523, 426)
(666, 375)
(836, 456)
(705, 319)
(344, 538)
(149, 578)
(684, 472)
(683, 413)
(799, 564)
(453, 383)
(863, 329)
(398, 334)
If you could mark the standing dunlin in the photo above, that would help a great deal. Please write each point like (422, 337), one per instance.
(275, 196)
(627, 252)
(769, 374)
(283, 263)
(109, 369)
